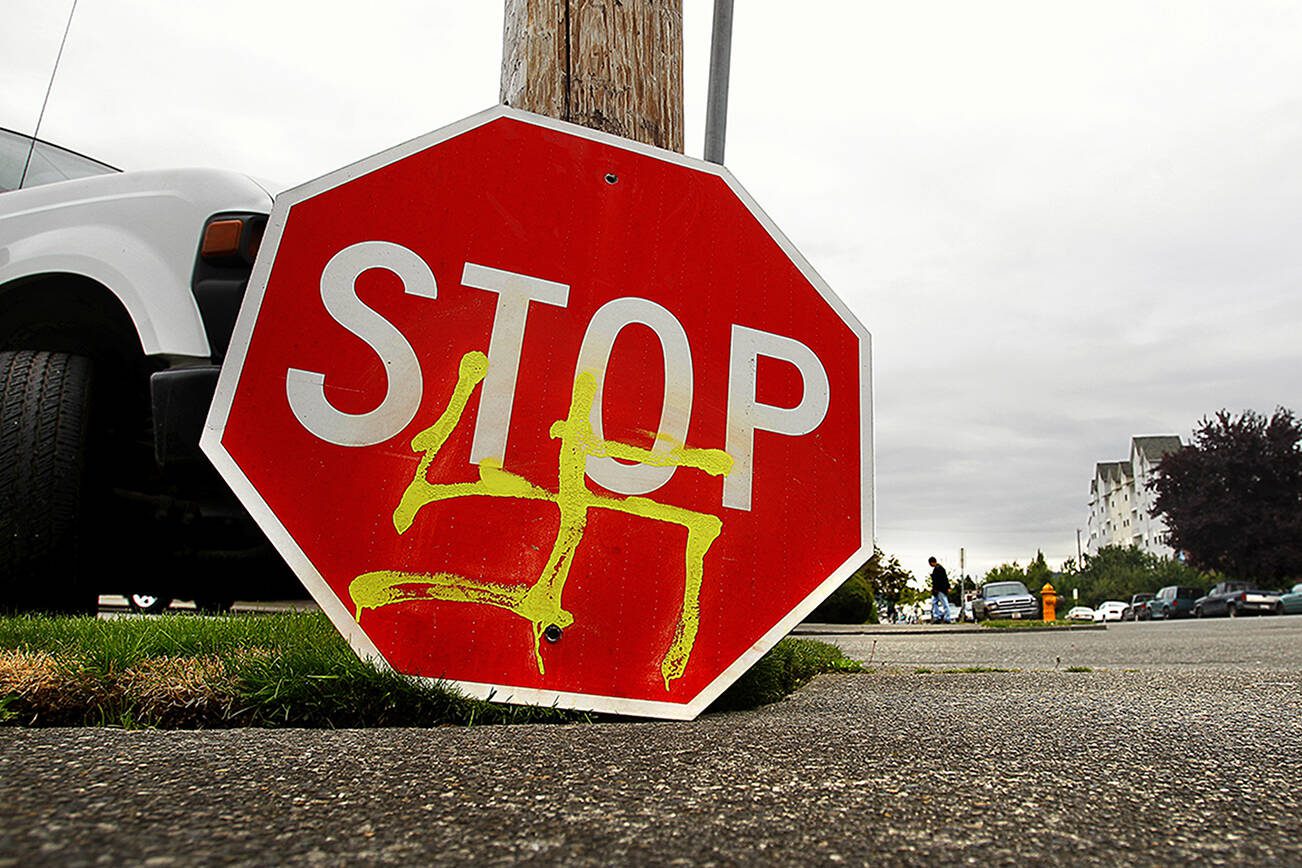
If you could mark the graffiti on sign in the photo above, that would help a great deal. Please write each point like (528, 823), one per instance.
(539, 603)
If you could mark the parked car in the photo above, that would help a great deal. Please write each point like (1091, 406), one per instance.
(1109, 611)
(1237, 598)
(1138, 608)
(1173, 601)
(1080, 613)
(118, 294)
(1005, 600)
(1290, 602)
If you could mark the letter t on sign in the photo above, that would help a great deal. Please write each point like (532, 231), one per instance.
(514, 292)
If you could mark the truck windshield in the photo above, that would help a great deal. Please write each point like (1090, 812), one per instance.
(1003, 589)
(49, 163)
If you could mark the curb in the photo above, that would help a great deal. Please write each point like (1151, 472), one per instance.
(911, 630)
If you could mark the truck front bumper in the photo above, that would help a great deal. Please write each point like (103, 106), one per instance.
(180, 399)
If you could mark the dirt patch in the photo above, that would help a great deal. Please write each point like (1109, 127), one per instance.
(42, 689)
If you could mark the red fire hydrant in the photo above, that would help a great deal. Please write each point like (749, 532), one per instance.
(1048, 601)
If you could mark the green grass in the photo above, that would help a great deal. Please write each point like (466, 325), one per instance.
(1079, 669)
(105, 646)
(791, 663)
(284, 670)
(1010, 624)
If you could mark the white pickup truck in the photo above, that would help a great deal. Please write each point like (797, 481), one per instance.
(118, 293)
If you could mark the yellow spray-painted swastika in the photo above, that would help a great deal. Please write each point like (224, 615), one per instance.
(540, 602)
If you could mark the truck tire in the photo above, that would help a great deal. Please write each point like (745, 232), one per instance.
(44, 416)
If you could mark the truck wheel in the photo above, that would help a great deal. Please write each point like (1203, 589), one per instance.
(150, 604)
(44, 414)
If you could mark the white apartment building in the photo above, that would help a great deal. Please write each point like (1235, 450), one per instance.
(1121, 506)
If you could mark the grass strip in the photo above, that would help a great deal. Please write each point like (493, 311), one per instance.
(1011, 624)
(292, 670)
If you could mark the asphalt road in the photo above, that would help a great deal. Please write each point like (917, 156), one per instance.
(1180, 744)
(1215, 644)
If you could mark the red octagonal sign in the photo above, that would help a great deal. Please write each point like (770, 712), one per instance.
(550, 415)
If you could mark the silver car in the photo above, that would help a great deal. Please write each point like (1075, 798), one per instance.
(1005, 600)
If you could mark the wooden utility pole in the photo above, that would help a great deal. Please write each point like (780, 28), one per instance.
(612, 65)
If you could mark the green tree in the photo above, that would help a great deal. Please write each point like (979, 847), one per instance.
(1038, 572)
(891, 579)
(1005, 573)
(1232, 500)
(1117, 572)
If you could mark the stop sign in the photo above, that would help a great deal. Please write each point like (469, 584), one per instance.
(550, 415)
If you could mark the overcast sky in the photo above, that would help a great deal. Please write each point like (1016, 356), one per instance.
(1065, 224)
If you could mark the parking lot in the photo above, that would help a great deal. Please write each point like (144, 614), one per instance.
(1145, 743)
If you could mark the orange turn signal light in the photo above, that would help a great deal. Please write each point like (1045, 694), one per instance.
(222, 238)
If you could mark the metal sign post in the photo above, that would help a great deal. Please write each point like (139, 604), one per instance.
(716, 107)
(962, 582)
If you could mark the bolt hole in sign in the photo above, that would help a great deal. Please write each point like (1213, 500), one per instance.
(545, 437)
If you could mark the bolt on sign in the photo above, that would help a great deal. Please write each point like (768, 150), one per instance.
(548, 415)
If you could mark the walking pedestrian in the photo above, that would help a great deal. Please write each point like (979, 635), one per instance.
(939, 593)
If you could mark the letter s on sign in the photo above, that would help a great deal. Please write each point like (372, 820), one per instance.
(306, 389)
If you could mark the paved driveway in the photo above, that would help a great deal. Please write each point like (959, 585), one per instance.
(1171, 749)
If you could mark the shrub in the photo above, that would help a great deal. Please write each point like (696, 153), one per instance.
(852, 603)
